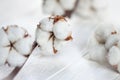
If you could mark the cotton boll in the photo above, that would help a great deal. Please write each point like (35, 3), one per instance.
(50, 41)
(3, 38)
(114, 56)
(103, 31)
(24, 45)
(48, 6)
(62, 30)
(98, 53)
(59, 44)
(14, 33)
(16, 47)
(46, 24)
(111, 41)
(67, 4)
(3, 55)
(16, 59)
(42, 37)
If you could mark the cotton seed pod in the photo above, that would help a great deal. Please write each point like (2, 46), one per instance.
(17, 47)
(97, 53)
(114, 56)
(15, 59)
(50, 42)
(103, 31)
(112, 40)
(59, 44)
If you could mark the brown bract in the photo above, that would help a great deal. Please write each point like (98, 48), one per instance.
(58, 18)
(52, 36)
(69, 37)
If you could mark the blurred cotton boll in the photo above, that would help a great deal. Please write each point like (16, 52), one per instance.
(104, 45)
(59, 7)
(83, 8)
(92, 9)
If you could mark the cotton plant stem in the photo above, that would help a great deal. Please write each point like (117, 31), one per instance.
(12, 74)
(17, 69)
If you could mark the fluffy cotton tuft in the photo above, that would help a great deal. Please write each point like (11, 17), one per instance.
(16, 59)
(98, 53)
(114, 56)
(46, 24)
(62, 30)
